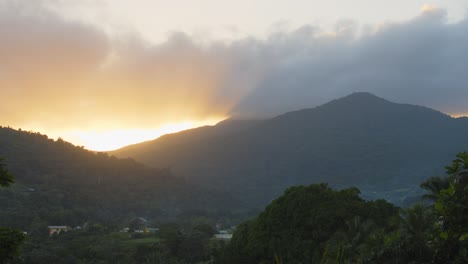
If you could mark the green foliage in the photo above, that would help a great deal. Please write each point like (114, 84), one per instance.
(410, 244)
(177, 243)
(63, 184)
(433, 186)
(312, 223)
(417, 226)
(10, 241)
(5, 177)
(59, 183)
(190, 244)
(84, 246)
(136, 223)
(452, 214)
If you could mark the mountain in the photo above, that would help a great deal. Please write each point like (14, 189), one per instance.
(384, 148)
(58, 183)
(197, 136)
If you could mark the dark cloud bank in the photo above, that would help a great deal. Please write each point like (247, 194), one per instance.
(68, 67)
(422, 61)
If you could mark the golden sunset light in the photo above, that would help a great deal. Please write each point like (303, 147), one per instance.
(102, 140)
(94, 84)
(199, 131)
(457, 115)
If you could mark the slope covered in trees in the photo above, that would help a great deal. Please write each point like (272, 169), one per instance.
(386, 149)
(61, 184)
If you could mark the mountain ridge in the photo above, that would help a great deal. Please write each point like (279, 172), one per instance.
(360, 139)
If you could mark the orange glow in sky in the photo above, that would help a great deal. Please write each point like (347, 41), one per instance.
(459, 115)
(115, 139)
(106, 74)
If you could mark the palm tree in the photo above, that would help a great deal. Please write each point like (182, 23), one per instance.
(434, 185)
(452, 212)
(458, 170)
(417, 223)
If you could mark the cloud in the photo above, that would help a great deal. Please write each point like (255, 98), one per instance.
(60, 74)
(421, 61)
(429, 8)
(57, 73)
(44, 61)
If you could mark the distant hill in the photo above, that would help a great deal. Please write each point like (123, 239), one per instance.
(197, 136)
(61, 184)
(386, 149)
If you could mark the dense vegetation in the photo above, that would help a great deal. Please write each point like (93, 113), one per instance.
(308, 224)
(360, 140)
(98, 243)
(315, 224)
(63, 184)
(51, 182)
(10, 239)
(57, 183)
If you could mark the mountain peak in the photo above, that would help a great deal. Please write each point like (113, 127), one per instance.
(359, 100)
(353, 103)
(362, 96)
(363, 101)
(362, 107)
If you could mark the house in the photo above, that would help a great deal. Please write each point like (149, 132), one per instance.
(57, 229)
(151, 230)
(224, 235)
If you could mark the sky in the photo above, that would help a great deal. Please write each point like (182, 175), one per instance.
(107, 73)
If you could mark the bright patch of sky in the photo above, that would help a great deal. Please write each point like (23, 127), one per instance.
(228, 20)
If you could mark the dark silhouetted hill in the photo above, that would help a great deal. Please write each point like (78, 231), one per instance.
(59, 183)
(386, 149)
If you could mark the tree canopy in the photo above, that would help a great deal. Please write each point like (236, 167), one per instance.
(10, 239)
(452, 214)
(311, 223)
(5, 177)
(315, 224)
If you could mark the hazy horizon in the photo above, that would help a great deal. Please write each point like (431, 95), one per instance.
(111, 141)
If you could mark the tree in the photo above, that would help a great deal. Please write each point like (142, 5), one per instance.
(452, 214)
(136, 223)
(312, 224)
(171, 237)
(433, 186)
(5, 177)
(10, 239)
(416, 231)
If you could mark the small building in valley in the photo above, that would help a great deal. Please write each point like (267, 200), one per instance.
(58, 229)
(224, 235)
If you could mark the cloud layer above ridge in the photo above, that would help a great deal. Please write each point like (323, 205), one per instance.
(59, 73)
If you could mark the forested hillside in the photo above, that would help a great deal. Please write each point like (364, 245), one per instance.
(61, 184)
(386, 149)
